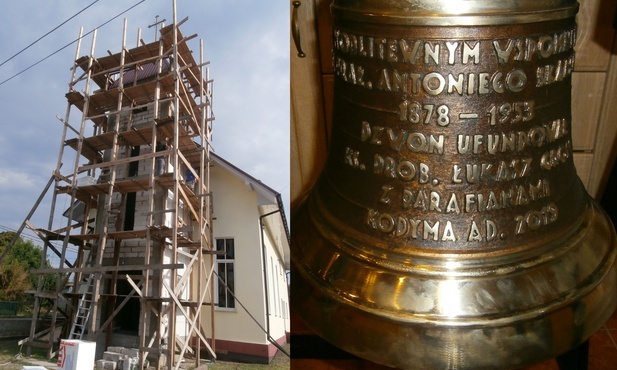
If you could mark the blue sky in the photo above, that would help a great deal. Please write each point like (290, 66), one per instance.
(246, 42)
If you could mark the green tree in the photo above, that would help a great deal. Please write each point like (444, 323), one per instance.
(15, 276)
(14, 280)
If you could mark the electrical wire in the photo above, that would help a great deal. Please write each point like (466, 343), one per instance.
(23, 235)
(35, 239)
(40, 38)
(67, 45)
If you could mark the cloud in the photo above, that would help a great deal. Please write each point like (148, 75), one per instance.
(246, 42)
(11, 179)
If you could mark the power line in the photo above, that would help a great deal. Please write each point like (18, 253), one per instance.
(67, 45)
(35, 239)
(23, 234)
(40, 38)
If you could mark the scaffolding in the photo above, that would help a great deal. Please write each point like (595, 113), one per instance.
(139, 199)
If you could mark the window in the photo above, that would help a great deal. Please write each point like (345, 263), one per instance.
(131, 198)
(225, 270)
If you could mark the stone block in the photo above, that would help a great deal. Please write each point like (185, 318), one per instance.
(112, 356)
(106, 365)
(130, 363)
(131, 352)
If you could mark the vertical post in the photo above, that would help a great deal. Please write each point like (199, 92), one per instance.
(145, 315)
(176, 178)
(73, 197)
(209, 216)
(64, 129)
(37, 302)
(103, 224)
(200, 194)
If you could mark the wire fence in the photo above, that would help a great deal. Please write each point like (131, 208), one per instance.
(9, 309)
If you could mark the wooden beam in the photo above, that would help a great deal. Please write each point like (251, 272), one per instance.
(125, 160)
(46, 241)
(113, 314)
(99, 269)
(173, 295)
(23, 224)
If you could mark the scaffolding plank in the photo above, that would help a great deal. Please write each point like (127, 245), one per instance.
(136, 136)
(186, 56)
(132, 185)
(104, 100)
(73, 239)
(141, 93)
(156, 231)
(100, 269)
(103, 67)
(78, 100)
(127, 234)
(49, 295)
(90, 192)
(166, 232)
(167, 181)
(113, 61)
(87, 150)
(188, 147)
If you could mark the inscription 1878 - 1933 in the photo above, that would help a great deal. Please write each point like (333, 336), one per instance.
(450, 126)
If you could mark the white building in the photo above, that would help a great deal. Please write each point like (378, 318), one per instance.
(249, 220)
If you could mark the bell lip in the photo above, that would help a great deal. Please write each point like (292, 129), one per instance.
(530, 335)
(445, 13)
(444, 336)
(595, 217)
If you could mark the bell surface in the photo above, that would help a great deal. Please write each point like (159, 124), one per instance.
(449, 229)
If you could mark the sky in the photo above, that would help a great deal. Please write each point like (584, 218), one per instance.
(245, 41)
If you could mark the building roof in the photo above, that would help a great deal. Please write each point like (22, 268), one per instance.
(143, 71)
(269, 202)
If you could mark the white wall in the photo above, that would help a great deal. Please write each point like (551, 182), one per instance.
(278, 299)
(236, 216)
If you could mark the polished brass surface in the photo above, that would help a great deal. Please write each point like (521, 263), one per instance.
(449, 229)
(454, 13)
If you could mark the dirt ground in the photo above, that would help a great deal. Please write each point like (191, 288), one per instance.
(12, 357)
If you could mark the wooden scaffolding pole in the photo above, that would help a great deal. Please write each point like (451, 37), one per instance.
(176, 142)
(176, 277)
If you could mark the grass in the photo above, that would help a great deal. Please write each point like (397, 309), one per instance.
(280, 362)
(10, 359)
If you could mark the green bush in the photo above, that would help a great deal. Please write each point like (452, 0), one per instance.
(15, 276)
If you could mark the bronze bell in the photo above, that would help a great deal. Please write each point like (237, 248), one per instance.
(449, 229)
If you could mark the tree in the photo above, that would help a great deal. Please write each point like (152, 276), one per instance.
(14, 280)
(15, 276)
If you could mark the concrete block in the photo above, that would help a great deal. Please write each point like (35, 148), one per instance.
(131, 352)
(106, 365)
(116, 349)
(112, 356)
